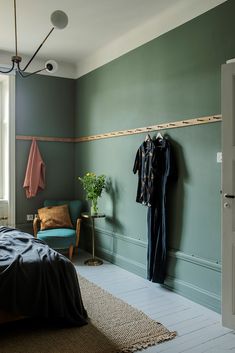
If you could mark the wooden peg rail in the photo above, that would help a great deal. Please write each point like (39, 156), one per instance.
(45, 138)
(172, 125)
(164, 126)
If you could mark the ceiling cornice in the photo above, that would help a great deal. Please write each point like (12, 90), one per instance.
(173, 17)
(179, 13)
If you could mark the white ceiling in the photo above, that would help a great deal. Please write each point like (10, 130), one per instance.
(93, 25)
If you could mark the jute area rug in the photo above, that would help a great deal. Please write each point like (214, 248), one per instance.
(114, 327)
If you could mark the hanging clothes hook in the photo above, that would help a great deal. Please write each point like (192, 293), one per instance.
(147, 137)
(159, 136)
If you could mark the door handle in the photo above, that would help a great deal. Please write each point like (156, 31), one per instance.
(228, 196)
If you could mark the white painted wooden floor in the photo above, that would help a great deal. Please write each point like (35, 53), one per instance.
(199, 329)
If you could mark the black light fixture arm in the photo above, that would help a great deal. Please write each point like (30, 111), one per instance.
(22, 73)
(7, 71)
(38, 49)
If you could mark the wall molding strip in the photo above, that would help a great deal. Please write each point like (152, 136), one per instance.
(122, 237)
(45, 138)
(173, 253)
(119, 260)
(164, 126)
(107, 249)
(140, 130)
(196, 260)
(199, 295)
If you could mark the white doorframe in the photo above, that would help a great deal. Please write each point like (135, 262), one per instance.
(228, 195)
(11, 214)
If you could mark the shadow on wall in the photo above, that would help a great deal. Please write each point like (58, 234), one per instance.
(113, 192)
(175, 197)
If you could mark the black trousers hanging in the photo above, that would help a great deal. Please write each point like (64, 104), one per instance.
(157, 237)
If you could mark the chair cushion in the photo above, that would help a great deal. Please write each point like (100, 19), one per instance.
(75, 208)
(55, 217)
(60, 238)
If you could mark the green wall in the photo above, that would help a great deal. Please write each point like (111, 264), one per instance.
(174, 77)
(45, 106)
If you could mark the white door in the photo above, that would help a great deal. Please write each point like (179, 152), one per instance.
(228, 194)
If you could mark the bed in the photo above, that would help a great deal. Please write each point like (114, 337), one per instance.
(36, 281)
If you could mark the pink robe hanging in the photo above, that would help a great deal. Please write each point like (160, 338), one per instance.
(35, 173)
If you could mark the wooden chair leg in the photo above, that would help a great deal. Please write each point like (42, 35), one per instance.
(70, 252)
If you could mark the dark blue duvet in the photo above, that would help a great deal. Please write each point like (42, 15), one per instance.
(37, 281)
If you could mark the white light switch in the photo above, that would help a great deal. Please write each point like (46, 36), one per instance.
(219, 157)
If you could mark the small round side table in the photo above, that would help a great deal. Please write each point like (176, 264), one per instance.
(93, 261)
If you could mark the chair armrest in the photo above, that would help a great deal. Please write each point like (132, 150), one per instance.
(36, 223)
(78, 228)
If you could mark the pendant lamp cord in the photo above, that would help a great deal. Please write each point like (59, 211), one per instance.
(38, 49)
(16, 48)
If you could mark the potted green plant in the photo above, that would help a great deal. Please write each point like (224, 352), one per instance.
(93, 185)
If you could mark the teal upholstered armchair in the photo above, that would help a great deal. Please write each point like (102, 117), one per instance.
(57, 236)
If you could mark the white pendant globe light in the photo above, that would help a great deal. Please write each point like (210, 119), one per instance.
(59, 19)
(51, 66)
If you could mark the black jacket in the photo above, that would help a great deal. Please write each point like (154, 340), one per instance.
(154, 164)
